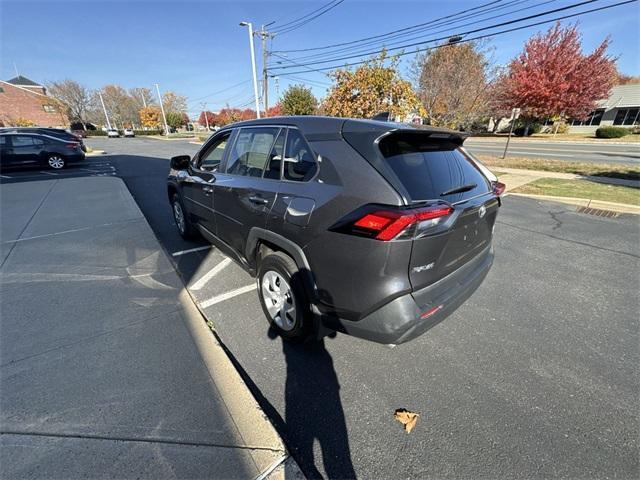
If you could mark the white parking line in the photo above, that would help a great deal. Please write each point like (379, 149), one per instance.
(5, 176)
(202, 281)
(227, 296)
(191, 250)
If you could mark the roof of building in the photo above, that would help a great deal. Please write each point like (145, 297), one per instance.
(23, 82)
(622, 96)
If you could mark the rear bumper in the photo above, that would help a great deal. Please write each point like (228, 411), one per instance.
(400, 320)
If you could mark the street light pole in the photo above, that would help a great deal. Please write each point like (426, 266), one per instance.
(164, 117)
(253, 66)
(105, 111)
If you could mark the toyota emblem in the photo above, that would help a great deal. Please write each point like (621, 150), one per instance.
(482, 211)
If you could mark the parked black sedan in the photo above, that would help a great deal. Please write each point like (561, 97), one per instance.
(52, 132)
(22, 149)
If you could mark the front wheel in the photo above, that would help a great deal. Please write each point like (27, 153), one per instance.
(56, 161)
(185, 227)
(283, 298)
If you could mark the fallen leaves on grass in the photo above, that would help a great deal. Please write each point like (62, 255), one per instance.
(407, 418)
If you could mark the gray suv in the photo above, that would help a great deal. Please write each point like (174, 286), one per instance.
(374, 229)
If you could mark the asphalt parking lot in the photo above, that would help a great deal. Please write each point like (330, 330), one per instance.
(534, 376)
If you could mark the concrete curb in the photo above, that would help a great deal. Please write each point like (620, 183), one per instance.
(585, 202)
(156, 137)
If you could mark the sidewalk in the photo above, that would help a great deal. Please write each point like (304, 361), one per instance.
(107, 368)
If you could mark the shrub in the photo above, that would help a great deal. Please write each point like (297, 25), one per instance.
(562, 128)
(96, 133)
(534, 127)
(611, 132)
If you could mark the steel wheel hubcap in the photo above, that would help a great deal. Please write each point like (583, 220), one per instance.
(56, 162)
(177, 213)
(278, 298)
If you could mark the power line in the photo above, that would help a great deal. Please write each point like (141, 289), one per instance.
(358, 49)
(295, 24)
(219, 91)
(462, 34)
(388, 33)
(479, 37)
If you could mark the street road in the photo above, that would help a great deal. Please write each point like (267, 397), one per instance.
(628, 154)
(534, 376)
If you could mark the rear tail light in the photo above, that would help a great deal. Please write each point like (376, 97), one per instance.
(71, 145)
(386, 225)
(498, 188)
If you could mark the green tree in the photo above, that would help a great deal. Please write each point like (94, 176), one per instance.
(298, 100)
(373, 87)
(175, 119)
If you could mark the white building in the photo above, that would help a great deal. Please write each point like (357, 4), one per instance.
(621, 109)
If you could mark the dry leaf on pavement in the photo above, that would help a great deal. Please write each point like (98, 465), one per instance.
(407, 418)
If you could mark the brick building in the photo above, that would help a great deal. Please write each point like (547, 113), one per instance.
(23, 100)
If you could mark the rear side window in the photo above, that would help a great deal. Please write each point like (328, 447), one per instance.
(22, 141)
(432, 170)
(251, 151)
(299, 162)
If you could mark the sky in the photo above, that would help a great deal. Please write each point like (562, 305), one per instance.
(198, 48)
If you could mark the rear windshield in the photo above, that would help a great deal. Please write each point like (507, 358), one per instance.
(430, 169)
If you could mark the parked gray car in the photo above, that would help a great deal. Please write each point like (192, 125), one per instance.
(374, 229)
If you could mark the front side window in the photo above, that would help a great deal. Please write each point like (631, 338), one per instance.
(299, 162)
(251, 151)
(211, 158)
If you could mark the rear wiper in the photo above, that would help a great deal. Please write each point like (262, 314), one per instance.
(460, 189)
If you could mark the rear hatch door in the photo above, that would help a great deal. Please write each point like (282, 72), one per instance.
(431, 170)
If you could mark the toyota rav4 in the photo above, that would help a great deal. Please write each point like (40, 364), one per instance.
(374, 229)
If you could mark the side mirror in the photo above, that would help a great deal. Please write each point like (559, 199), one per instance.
(180, 162)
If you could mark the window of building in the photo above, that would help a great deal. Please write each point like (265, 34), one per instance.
(594, 118)
(49, 108)
(627, 116)
(1, 90)
(632, 117)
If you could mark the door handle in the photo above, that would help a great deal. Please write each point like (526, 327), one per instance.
(207, 190)
(258, 200)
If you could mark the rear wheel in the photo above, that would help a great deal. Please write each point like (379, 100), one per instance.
(56, 161)
(184, 225)
(283, 298)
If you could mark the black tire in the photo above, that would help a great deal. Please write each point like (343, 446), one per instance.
(284, 266)
(185, 227)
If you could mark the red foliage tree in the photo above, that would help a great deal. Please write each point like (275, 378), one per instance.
(552, 78)
(275, 111)
(212, 117)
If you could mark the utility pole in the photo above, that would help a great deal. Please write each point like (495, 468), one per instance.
(253, 66)
(277, 80)
(264, 35)
(204, 111)
(164, 117)
(104, 109)
(144, 100)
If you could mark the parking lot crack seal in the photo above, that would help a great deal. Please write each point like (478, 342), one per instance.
(44, 198)
(166, 441)
(577, 242)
